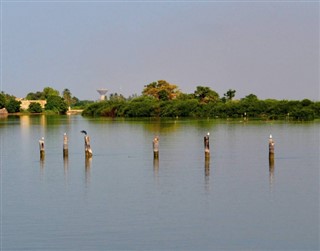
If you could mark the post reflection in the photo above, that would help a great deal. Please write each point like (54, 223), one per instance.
(271, 172)
(88, 161)
(42, 167)
(156, 167)
(66, 167)
(207, 173)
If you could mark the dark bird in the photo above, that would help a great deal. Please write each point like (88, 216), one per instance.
(83, 131)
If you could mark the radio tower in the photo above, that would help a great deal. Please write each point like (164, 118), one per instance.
(102, 93)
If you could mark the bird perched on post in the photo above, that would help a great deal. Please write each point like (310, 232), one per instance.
(84, 132)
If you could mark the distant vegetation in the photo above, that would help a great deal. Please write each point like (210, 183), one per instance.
(162, 99)
(55, 103)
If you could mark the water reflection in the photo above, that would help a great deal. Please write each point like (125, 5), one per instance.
(271, 173)
(156, 166)
(207, 173)
(158, 126)
(66, 167)
(42, 165)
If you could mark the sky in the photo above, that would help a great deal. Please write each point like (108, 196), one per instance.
(266, 48)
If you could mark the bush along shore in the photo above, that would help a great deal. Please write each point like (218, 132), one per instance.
(162, 99)
(248, 107)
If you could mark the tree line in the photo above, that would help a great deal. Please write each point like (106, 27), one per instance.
(54, 102)
(162, 99)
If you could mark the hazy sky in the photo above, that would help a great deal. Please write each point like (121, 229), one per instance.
(268, 48)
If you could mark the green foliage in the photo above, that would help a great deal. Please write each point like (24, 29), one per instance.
(141, 107)
(191, 106)
(206, 95)
(13, 106)
(116, 97)
(162, 99)
(81, 104)
(35, 96)
(2, 100)
(229, 95)
(47, 91)
(56, 104)
(35, 108)
(66, 94)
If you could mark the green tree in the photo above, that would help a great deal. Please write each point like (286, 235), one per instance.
(251, 98)
(143, 106)
(230, 94)
(35, 108)
(161, 90)
(206, 95)
(13, 105)
(48, 91)
(66, 94)
(2, 100)
(56, 104)
(116, 96)
(306, 102)
(35, 96)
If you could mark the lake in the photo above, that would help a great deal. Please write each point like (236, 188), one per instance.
(123, 199)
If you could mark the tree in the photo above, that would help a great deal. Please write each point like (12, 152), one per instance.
(13, 106)
(116, 96)
(161, 90)
(35, 107)
(306, 102)
(56, 104)
(66, 94)
(206, 95)
(2, 100)
(48, 91)
(230, 94)
(250, 97)
(35, 96)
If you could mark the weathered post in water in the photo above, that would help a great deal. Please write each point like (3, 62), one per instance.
(206, 146)
(41, 148)
(65, 146)
(271, 149)
(155, 145)
(87, 147)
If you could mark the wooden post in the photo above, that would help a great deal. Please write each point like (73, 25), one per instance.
(155, 144)
(206, 146)
(41, 148)
(271, 148)
(271, 161)
(65, 146)
(87, 147)
(87, 169)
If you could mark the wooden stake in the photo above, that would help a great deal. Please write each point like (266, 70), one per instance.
(206, 146)
(41, 148)
(155, 144)
(65, 146)
(271, 148)
(87, 147)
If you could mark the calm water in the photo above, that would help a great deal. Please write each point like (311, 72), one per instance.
(122, 200)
